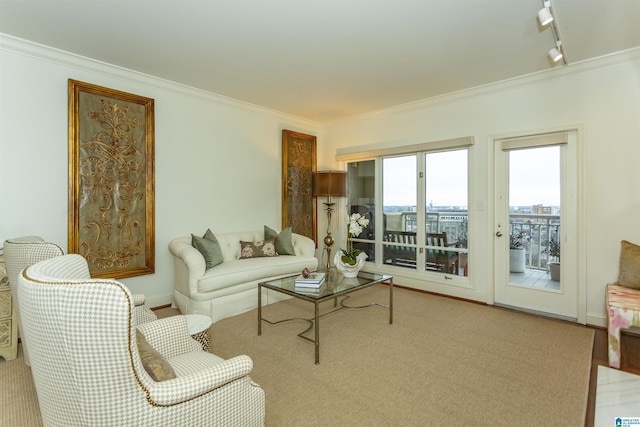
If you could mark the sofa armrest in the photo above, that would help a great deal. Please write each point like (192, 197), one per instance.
(189, 263)
(303, 246)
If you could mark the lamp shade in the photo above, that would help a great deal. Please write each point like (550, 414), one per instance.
(330, 184)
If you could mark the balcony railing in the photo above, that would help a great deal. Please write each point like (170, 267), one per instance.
(540, 229)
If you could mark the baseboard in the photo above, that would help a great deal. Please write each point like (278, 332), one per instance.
(597, 319)
(159, 301)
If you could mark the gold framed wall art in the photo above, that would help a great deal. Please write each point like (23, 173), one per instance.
(111, 180)
(298, 165)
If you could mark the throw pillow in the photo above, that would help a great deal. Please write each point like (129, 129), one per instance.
(629, 271)
(209, 247)
(156, 366)
(284, 244)
(261, 248)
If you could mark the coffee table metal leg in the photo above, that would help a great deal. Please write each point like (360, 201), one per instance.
(317, 341)
(259, 309)
(391, 301)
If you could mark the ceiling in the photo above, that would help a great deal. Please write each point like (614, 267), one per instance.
(324, 60)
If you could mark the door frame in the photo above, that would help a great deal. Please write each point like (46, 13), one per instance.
(581, 244)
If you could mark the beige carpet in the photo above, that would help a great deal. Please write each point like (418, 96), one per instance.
(443, 361)
(18, 399)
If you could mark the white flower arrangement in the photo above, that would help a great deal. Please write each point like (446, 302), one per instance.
(355, 224)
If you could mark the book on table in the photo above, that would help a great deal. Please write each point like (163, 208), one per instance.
(315, 280)
(310, 287)
(311, 291)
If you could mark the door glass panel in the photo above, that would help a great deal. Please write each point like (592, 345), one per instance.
(446, 198)
(433, 238)
(362, 179)
(399, 192)
(534, 217)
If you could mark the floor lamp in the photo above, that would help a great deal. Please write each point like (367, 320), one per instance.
(329, 184)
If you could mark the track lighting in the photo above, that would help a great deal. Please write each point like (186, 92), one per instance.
(544, 14)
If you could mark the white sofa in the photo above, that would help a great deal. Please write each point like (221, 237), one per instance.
(231, 287)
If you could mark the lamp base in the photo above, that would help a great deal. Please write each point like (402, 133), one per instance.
(328, 242)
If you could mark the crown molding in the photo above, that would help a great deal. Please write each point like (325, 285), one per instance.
(587, 66)
(60, 57)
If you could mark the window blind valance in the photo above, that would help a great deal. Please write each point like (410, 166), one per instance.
(349, 154)
(544, 140)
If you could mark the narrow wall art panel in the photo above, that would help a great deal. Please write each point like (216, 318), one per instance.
(298, 165)
(111, 180)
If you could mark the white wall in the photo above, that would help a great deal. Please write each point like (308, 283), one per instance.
(601, 96)
(217, 161)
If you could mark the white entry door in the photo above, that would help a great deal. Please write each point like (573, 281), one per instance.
(535, 224)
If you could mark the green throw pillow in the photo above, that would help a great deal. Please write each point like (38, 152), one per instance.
(284, 243)
(156, 366)
(209, 248)
(258, 249)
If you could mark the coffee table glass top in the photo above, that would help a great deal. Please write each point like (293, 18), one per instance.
(334, 285)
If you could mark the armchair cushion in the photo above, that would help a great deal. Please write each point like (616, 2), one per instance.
(209, 247)
(156, 366)
(262, 248)
(629, 270)
(284, 244)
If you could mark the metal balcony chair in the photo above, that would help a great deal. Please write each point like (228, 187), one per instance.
(440, 259)
(404, 256)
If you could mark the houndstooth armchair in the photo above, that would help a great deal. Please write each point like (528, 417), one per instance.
(88, 370)
(21, 252)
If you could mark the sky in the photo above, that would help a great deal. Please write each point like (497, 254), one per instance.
(534, 177)
(446, 175)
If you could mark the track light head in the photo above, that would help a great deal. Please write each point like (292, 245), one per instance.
(544, 14)
(556, 53)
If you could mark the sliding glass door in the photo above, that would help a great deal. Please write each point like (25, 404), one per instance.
(446, 214)
(423, 216)
(399, 202)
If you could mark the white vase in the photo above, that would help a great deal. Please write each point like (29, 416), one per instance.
(517, 260)
(348, 270)
(554, 269)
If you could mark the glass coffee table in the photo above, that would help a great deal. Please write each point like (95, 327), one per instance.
(334, 287)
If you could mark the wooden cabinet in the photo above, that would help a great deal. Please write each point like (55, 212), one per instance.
(8, 322)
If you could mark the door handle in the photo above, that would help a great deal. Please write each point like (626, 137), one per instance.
(498, 233)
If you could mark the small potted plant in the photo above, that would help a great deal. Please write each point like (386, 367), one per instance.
(517, 254)
(553, 249)
(350, 262)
